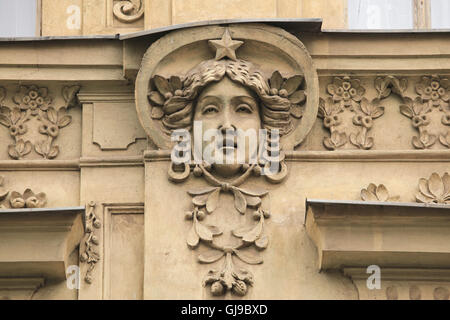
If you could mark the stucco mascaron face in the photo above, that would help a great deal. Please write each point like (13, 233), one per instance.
(237, 78)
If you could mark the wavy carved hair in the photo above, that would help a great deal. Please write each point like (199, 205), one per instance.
(178, 109)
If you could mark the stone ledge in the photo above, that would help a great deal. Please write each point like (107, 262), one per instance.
(38, 242)
(387, 234)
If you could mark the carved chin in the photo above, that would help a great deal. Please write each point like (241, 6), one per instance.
(227, 170)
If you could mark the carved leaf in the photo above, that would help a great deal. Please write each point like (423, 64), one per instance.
(328, 144)
(200, 200)
(23, 148)
(368, 143)
(364, 105)
(322, 112)
(423, 199)
(4, 120)
(446, 181)
(54, 151)
(248, 257)
(28, 193)
(382, 193)
(423, 187)
(157, 113)
(255, 192)
(64, 121)
(13, 152)
(406, 110)
(254, 234)
(156, 98)
(192, 239)
(253, 202)
(262, 242)
(197, 192)
(241, 231)
(42, 198)
(67, 92)
(417, 143)
(38, 148)
(297, 97)
(239, 201)
(52, 115)
(210, 256)
(63, 118)
(15, 115)
(427, 140)
(336, 140)
(354, 139)
(162, 85)
(377, 112)
(27, 148)
(213, 200)
(276, 80)
(296, 111)
(368, 196)
(381, 86)
(435, 185)
(175, 82)
(292, 84)
(401, 86)
(214, 230)
(203, 231)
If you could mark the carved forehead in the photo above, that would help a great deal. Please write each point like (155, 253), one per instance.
(226, 89)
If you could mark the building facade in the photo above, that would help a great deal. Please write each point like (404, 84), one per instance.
(347, 198)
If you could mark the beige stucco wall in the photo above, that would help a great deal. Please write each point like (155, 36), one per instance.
(142, 245)
(96, 17)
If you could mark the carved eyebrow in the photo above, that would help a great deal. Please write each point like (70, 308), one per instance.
(246, 99)
(208, 99)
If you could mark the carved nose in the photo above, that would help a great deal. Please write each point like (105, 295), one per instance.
(227, 127)
(226, 124)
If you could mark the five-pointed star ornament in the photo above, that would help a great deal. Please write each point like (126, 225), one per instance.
(226, 47)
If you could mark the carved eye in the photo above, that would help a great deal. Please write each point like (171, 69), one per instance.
(244, 108)
(210, 109)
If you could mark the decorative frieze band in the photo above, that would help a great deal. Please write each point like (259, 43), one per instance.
(428, 110)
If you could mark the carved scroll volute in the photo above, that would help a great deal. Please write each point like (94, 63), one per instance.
(280, 104)
(128, 11)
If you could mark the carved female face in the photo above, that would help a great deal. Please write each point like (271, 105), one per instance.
(228, 107)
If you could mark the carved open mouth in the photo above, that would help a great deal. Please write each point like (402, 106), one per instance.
(227, 145)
